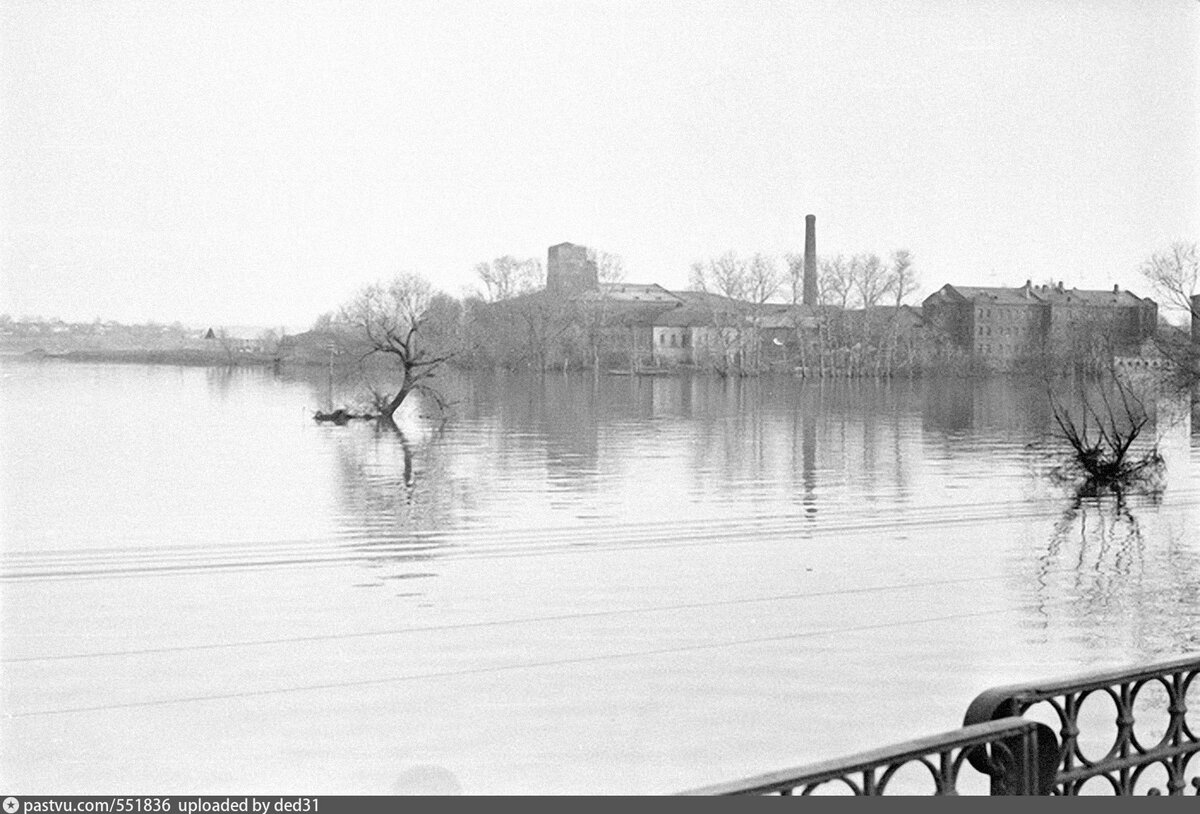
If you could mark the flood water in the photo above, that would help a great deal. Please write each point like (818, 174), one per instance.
(623, 585)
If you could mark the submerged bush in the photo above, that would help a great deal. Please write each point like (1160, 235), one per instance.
(1101, 430)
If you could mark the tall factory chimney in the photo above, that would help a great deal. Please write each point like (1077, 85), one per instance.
(810, 260)
(1196, 319)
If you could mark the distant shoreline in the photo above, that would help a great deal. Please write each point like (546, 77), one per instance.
(178, 356)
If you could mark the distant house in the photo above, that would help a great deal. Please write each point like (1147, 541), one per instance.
(238, 338)
(705, 329)
(626, 314)
(674, 334)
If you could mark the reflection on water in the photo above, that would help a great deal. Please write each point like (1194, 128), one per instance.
(1128, 589)
(577, 583)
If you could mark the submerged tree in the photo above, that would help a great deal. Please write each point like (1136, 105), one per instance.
(400, 320)
(1101, 429)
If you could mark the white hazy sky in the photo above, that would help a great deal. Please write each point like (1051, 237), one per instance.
(256, 162)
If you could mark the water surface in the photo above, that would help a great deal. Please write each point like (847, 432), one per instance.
(622, 585)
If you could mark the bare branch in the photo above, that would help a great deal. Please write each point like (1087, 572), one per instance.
(1175, 274)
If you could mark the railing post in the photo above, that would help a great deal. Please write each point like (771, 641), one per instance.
(1023, 764)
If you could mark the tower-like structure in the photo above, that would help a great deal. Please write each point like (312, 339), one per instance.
(810, 260)
(1195, 319)
(569, 271)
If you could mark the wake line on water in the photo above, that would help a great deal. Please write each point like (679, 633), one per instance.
(830, 520)
(494, 669)
(451, 546)
(562, 617)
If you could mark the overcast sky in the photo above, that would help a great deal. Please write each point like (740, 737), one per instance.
(256, 163)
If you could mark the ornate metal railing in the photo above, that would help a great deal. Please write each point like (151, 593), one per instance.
(1139, 750)
(1011, 752)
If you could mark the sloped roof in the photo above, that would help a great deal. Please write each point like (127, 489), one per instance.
(637, 292)
(1024, 295)
(714, 302)
(1112, 298)
(1033, 294)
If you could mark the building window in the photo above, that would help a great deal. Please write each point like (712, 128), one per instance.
(662, 339)
(674, 340)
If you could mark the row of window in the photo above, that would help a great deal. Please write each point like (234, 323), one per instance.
(1017, 331)
(677, 341)
(1003, 350)
(1016, 314)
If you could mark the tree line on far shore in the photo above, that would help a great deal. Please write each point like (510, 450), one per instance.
(403, 331)
(512, 322)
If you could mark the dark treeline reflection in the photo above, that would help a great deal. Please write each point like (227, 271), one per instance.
(996, 407)
(732, 431)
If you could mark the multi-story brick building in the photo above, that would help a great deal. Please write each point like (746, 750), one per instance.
(999, 326)
(1083, 321)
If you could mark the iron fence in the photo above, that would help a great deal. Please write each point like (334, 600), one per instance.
(1147, 740)
(1142, 745)
(1011, 752)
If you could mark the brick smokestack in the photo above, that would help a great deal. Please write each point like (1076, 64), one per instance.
(1196, 319)
(810, 260)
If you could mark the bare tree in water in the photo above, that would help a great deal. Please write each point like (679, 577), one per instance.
(397, 320)
(1101, 428)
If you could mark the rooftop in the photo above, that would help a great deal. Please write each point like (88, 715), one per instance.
(1023, 295)
(1033, 294)
(1114, 297)
(638, 292)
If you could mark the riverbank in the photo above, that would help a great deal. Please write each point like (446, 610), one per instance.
(189, 357)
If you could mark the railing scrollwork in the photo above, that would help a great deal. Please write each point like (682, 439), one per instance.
(1007, 751)
(1151, 738)
(1138, 748)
